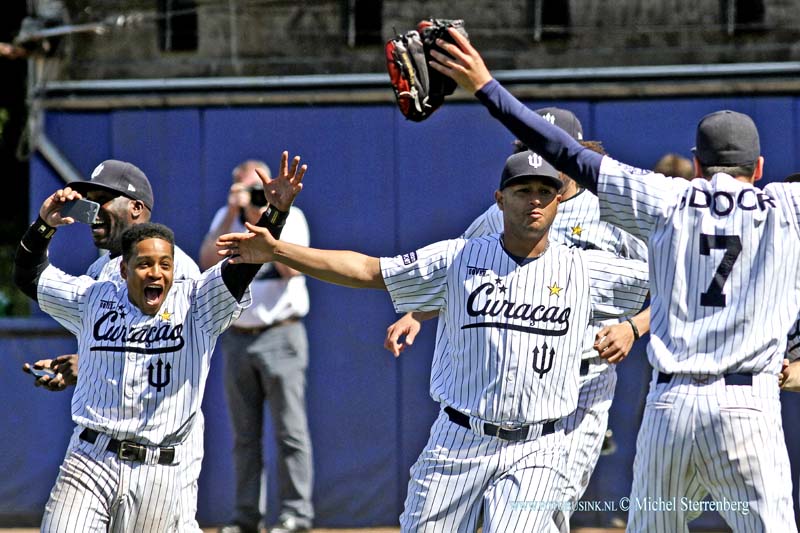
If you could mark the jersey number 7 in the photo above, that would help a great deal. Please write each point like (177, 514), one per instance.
(732, 244)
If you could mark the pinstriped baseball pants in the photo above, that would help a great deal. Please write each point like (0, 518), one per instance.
(460, 473)
(97, 492)
(708, 438)
(584, 431)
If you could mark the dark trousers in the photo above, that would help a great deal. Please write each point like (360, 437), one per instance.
(269, 367)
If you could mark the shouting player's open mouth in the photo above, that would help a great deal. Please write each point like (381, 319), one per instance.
(153, 295)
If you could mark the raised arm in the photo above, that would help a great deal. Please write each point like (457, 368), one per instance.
(31, 257)
(467, 68)
(280, 193)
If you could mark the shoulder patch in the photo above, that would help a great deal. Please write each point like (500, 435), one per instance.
(409, 258)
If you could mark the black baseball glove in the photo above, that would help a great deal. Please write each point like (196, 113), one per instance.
(420, 90)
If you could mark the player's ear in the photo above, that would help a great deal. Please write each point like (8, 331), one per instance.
(498, 197)
(123, 269)
(138, 210)
(698, 170)
(758, 173)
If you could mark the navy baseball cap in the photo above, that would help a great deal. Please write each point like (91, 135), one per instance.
(119, 177)
(529, 165)
(726, 139)
(566, 120)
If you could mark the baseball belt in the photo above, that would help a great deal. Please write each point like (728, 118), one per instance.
(736, 378)
(514, 435)
(127, 450)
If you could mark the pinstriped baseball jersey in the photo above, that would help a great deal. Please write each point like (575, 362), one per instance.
(577, 223)
(106, 269)
(509, 335)
(723, 257)
(147, 373)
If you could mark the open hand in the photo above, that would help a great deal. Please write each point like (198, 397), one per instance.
(255, 247)
(281, 190)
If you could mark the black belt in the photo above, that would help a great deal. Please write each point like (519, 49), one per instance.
(258, 330)
(127, 450)
(737, 378)
(584, 367)
(517, 434)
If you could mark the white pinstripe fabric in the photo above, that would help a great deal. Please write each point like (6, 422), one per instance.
(577, 223)
(724, 293)
(483, 362)
(496, 319)
(687, 337)
(96, 492)
(726, 441)
(452, 481)
(107, 269)
(118, 396)
(108, 325)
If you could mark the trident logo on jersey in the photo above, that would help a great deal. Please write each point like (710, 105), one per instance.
(545, 364)
(160, 382)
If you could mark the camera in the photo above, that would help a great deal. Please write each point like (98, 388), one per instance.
(257, 198)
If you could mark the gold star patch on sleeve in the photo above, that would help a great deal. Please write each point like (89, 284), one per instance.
(166, 315)
(577, 230)
(555, 289)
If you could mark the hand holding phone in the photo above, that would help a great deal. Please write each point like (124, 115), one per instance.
(42, 372)
(81, 210)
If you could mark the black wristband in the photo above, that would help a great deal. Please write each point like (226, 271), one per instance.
(38, 235)
(634, 328)
(275, 217)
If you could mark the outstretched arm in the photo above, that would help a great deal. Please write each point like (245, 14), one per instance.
(340, 267)
(467, 68)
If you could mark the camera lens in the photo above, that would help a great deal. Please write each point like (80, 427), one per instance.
(257, 198)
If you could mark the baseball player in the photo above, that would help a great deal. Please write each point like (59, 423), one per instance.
(513, 313)
(144, 356)
(126, 198)
(717, 245)
(577, 223)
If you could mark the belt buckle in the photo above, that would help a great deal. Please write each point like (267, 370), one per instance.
(513, 431)
(510, 426)
(128, 451)
(701, 380)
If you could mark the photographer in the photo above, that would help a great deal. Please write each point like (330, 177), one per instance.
(266, 356)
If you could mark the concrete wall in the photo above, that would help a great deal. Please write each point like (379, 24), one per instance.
(279, 37)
